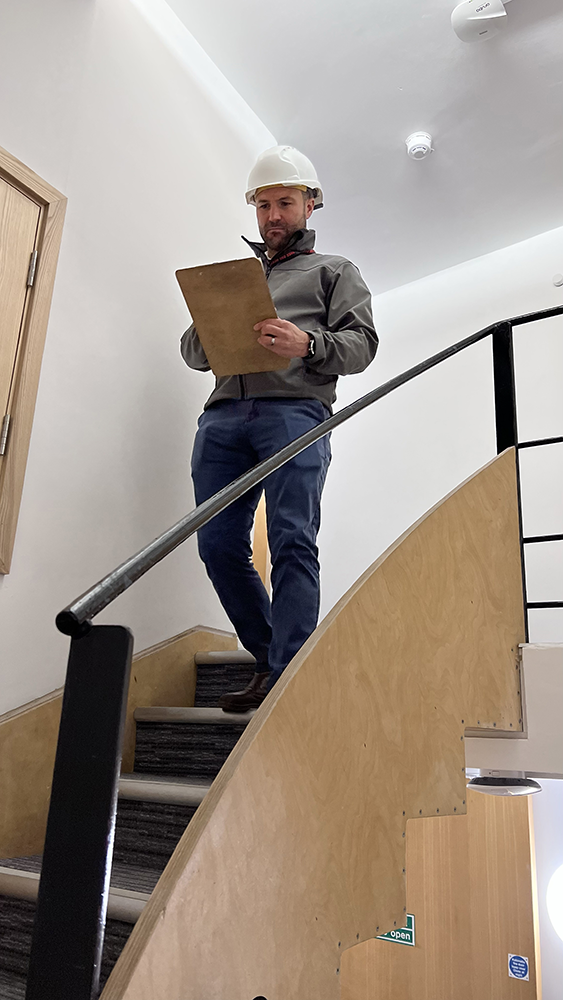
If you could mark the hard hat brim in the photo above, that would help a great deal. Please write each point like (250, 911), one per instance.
(318, 195)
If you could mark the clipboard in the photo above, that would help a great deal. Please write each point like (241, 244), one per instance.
(225, 301)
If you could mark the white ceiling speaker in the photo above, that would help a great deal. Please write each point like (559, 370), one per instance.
(476, 20)
(419, 145)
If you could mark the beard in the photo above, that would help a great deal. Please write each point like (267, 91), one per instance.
(276, 241)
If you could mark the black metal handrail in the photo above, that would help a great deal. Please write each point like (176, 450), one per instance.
(74, 619)
(74, 886)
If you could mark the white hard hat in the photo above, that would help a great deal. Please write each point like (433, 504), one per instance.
(283, 166)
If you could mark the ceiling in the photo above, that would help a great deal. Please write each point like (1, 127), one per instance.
(346, 82)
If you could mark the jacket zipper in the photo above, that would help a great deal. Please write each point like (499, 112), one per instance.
(268, 267)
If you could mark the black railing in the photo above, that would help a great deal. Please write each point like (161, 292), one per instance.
(74, 886)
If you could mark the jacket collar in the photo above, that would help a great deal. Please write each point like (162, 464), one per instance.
(302, 241)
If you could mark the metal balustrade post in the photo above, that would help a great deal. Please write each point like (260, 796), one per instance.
(507, 427)
(505, 389)
(73, 892)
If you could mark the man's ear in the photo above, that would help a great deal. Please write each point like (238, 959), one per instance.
(309, 208)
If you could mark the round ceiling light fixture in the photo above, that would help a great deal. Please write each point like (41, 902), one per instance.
(503, 783)
(419, 145)
(477, 20)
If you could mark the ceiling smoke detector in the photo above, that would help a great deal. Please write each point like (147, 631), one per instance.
(419, 145)
(477, 20)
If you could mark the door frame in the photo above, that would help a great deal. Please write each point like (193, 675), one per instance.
(52, 206)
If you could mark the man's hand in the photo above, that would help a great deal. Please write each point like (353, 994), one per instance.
(283, 338)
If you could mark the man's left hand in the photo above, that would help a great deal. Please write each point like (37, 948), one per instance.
(283, 338)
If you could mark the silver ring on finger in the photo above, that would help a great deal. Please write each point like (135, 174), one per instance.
(273, 341)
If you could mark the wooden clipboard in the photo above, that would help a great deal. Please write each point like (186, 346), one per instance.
(225, 301)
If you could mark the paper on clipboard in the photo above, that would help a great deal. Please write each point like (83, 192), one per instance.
(225, 301)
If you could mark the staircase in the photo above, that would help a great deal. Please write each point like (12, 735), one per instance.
(179, 751)
(362, 733)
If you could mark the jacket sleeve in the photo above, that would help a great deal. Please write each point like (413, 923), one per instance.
(349, 343)
(192, 351)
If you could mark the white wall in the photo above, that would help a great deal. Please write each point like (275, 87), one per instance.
(394, 461)
(152, 148)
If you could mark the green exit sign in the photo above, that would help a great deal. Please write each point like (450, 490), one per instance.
(402, 935)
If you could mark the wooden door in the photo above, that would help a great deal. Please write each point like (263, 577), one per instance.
(19, 221)
(31, 221)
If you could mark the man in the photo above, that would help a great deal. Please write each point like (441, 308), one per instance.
(325, 327)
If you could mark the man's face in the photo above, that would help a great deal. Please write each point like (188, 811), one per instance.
(280, 212)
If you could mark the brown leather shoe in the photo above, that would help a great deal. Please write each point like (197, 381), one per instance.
(252, 696)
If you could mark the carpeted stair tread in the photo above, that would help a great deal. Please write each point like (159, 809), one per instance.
(145, 837)
(12, 986)
(214, 678)
(16, 925)
(147, 832)
(192, 750)
(129, 876)
(30, 863)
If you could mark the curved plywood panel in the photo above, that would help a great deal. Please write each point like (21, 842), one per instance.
(298, 851)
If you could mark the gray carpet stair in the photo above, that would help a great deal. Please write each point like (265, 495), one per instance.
(16, 925)
(178, 753)
(220, 672)
(194, 743)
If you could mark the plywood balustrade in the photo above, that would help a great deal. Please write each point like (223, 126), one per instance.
(28, 739)
(298, 851)
(469, 886)
(161, 675)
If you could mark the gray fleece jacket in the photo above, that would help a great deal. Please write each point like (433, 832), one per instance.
(323, 295)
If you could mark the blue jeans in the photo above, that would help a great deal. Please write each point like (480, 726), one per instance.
(233, 436)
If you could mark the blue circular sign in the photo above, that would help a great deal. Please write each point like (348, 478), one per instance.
(518, 966)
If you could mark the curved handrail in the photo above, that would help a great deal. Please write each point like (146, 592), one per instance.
(74, 620)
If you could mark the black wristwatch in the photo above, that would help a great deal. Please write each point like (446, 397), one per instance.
(311, 352)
